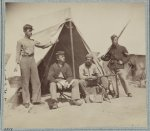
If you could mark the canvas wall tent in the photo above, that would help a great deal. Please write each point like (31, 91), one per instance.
(70, 41)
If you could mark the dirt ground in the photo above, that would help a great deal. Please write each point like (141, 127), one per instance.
(121, 112)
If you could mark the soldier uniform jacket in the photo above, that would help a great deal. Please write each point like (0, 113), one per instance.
(55, 70)
(116, 54)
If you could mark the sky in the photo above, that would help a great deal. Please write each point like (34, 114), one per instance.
(95, 21)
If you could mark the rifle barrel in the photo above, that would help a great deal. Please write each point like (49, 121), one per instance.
(123, 29)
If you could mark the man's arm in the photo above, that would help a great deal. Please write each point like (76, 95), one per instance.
(18, 55)
(125, 51)
(106, 57)
(18, 52)
(43, 46)
(96, 72)
(81, 73)
(126, 55)
(51, 74)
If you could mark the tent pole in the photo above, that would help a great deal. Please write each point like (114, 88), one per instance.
(72, 49)
(97, 61)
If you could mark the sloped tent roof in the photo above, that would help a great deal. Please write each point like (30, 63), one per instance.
(69, 41)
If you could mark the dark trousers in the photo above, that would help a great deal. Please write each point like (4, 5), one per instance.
(122, 74)
(84, 84)
(29, 72)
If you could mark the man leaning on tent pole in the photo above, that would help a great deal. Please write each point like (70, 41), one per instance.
(25, 59)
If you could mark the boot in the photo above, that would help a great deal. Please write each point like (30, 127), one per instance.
(77, 102)
(53, 104)
(26, 105)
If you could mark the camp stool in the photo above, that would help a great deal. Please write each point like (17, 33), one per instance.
(63, 97)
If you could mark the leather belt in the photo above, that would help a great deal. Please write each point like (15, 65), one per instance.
(26, 55)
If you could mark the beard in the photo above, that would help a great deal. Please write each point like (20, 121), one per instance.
(61, 61)
(88, 64)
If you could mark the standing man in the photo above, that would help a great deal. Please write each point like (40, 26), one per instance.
(89, 76)
(117, 57)
(60, 76)
(25, 58)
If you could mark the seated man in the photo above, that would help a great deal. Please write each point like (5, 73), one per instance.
(90, 77)
(60, 76)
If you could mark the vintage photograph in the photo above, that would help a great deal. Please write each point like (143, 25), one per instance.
(75, 65)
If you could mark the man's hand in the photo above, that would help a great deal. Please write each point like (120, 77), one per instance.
(88, 78)
(50, 43)
(59, 86)
(126, 54)
(120, 62)
(62, 84)
(91, 77)
(66, 84)
(36, 42)
(102, 57)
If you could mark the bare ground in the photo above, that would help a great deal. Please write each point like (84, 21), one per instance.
(121, 112)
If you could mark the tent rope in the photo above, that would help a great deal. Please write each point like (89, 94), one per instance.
(89, 50)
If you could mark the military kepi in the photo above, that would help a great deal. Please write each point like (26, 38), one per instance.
(89, 56)
(60, 53)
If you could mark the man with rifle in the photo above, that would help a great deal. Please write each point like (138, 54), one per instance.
(117, 57)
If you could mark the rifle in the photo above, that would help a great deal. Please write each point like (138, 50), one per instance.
(123, 29)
